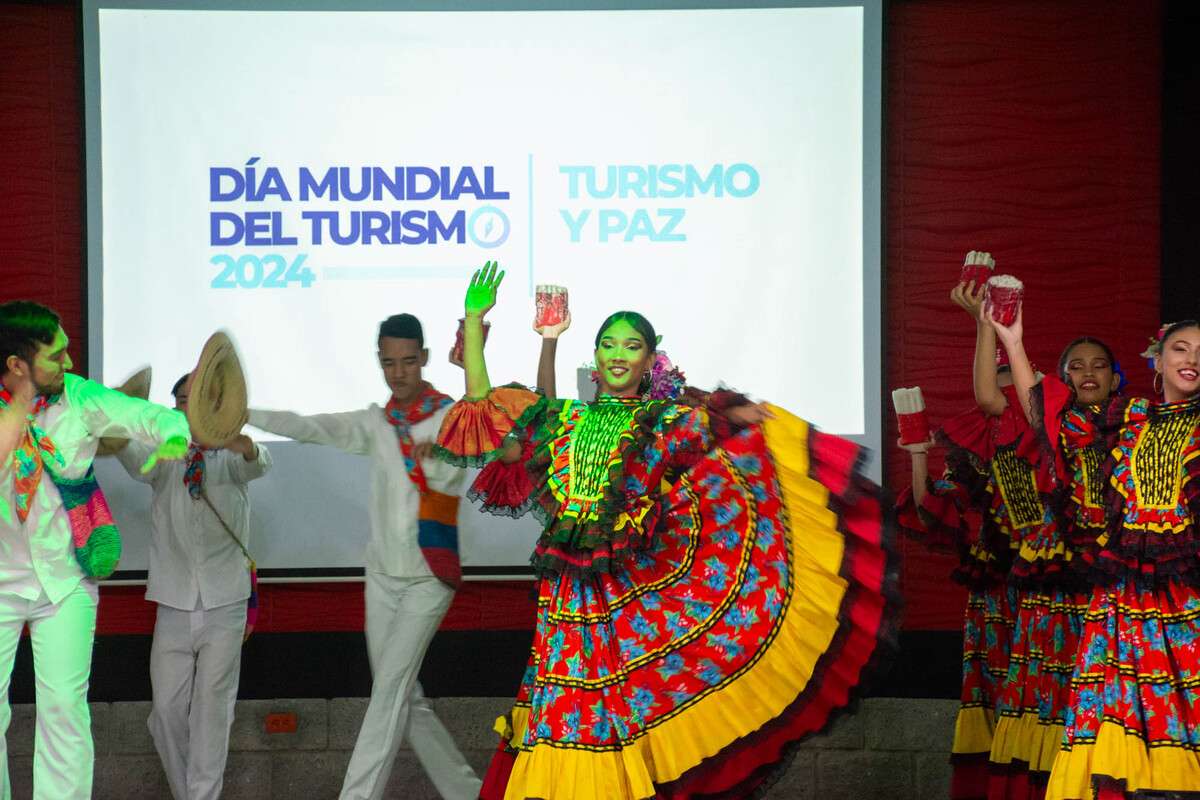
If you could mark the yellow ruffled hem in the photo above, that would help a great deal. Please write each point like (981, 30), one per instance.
(515, 722)
(1028, 740)
(1122, 756)
(973, 730)
(1031, 555)
(675, 745)
(555, 772)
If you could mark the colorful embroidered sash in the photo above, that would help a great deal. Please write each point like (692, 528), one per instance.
(437, 514)
(94, 535)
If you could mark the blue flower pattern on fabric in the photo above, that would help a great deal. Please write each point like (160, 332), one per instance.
(710, 673)
(726, 645)
(671, 666)
(742, 617)
(716, 574)
(631, 649)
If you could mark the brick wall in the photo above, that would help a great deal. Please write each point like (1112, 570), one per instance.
(894, 748)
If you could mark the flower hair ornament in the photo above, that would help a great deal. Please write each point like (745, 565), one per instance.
(667, 381)
(1122, 381)
(1155, 349)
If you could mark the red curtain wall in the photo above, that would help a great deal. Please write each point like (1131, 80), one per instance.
(1029, 129)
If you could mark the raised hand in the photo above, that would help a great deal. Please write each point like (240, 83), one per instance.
(1008, 335)
(172, 449)
(481, 294)
(969, 297)
(422, 450)
(553, 331)
(244, 446)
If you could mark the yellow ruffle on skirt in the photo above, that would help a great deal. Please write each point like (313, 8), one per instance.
(835, 616)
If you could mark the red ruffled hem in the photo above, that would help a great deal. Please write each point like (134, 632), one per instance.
(969, 776)
(1106, 788)
(1014, 781)
(474, 431)
(504, 489)
(979, 434)
(864, 640)
(864, 643)
(1045, 573)
(495, 780)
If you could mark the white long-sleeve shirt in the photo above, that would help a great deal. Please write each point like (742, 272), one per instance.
(38, 555)
(394, 499)
(193, 561)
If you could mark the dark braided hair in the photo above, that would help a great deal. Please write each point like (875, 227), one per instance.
(636, 321)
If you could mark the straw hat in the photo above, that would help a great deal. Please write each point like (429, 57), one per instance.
(136, 385)
(216, 407)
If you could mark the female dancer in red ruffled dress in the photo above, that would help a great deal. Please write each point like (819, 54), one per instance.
(713, 580)
(1045, 569)
(959, 512)
(1133, 722)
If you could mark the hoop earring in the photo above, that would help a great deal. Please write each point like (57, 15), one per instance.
(1157, 383)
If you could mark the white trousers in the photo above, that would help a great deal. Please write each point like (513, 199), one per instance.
(402, 616)
(62, 635)
(195, 661)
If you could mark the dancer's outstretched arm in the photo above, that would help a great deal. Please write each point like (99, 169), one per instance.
(920, 469)
(546, 378)
(1012, 337)
(988, 396)
(481, 296)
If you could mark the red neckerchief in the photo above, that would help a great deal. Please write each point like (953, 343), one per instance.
(402, 418)
(193, 470)
(28, 458)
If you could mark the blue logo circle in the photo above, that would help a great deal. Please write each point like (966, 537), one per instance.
(488, 227)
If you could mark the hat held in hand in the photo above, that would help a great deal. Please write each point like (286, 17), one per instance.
(216, 407)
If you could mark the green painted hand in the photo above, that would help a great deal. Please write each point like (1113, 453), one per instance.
(481, 294)
(172, 449)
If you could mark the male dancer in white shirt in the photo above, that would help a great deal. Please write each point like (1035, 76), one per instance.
(200, 579)
(50, 426)
(411, 560)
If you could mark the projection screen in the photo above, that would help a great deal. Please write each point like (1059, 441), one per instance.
(295, 172)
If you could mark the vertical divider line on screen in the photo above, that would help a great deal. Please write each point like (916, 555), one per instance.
(529, 175)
